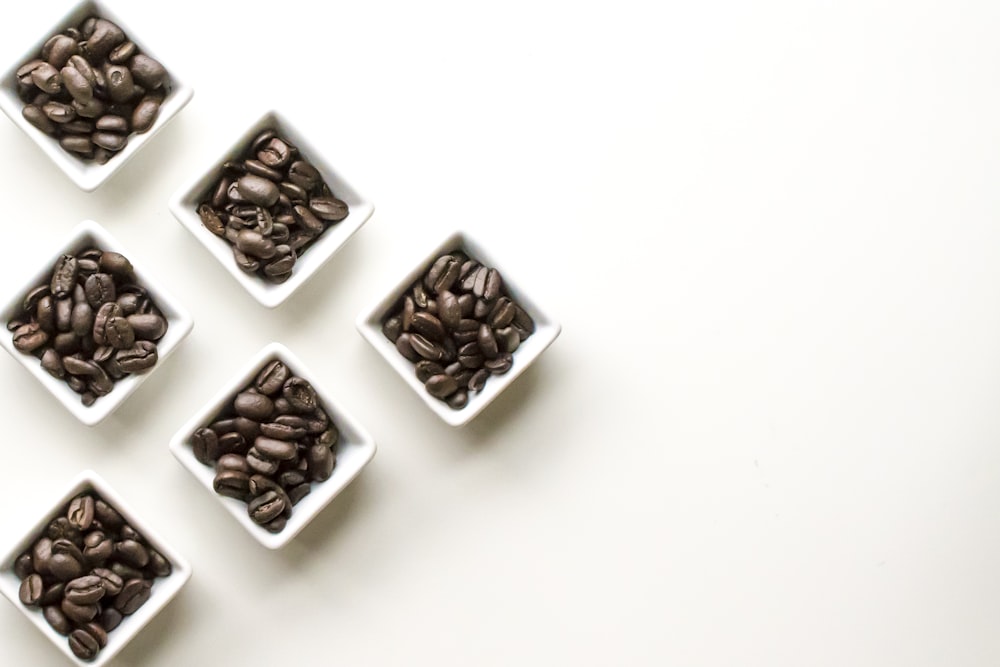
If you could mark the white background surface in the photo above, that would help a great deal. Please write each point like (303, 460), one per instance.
(768, 433)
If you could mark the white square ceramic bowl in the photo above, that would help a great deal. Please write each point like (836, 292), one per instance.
(179, 323)
(355, 449)
(89, 175)
(163, 591)
(184, 205)
(369, 324)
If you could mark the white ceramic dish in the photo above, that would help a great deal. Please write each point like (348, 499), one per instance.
(369, 324)
(89, 175)
(354, 449)
(179, 323)
(184, 205)
(164, 589)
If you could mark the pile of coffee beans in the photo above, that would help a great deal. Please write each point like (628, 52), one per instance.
(91, 324)
(87, 571)
(90, 88)
(271, 204)
(269, 445)
(459, 326)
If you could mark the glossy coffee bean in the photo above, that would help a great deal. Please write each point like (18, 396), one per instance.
(133, 595)
(30, 592)
(84, 645)
(57, 619)
(265, 507)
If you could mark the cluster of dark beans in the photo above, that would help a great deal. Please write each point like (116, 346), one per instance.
(91, 324)
(91, 88)
(87, 571)
(459, 327)
(271, 204)
(270, 445)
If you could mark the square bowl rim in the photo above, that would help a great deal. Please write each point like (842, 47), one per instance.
(180, 324)
(324, 495)
(88, 176)
(369, 325)
(164, 588)
(183, 201)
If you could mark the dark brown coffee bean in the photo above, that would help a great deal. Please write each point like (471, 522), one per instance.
(95, 630)
(428, 326)
(253, 405)
(308, 221)
(79, 614)
(29, 337)
(257, 190)
(134, 594)
(31, 590)
(232, 483)
(321, 462)
(109, 140)
(147, 72)
(110, 618)
(158, 566)
(426, 349)
(279, 450)
(120, 85)
(205, 445)
(281, 431)
(77, 85)
(132, 553)
(148, 326)
(271, 378)
(478, 380)
(425, 369)
(81, 512)
(500, 365)
(140, 357)
(108, 516)
(232, 462)
(57, 619)
(34, 115)
(121, 54)
(487, 342)
(84, 645)
(146, 112)
(300, 394)
(97, 548)
(298, 492)
(109, 581)
(85, 590)
(260, 463)
(265, 507)
(458, 400)
(330, 209)
(65, 567)
(441, 386)
(275, 153)
(23, 566)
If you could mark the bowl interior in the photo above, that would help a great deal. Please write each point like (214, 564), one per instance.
(89, 175)
(546, 331)
(85, 235)
(355, 449)
(184, 207)
(164, 589)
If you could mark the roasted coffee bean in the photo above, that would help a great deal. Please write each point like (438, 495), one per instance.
(95, 630)
(500, 365)
(278, 450)
(23, 566)
(110, 618)
(97, 548)
(158, 566)
(145, 113)
(425, 369)
(321, 461)
(29, 337)
(282, 431)
(31, 590)
(140, 357)
(85, 590)
(65, 567)
(271, 378)
(275, 153)
(205, 445)
(84, 645)
(232, 483)
(148, 326)
(81, 512)
(487, 341)
(441, 386)
(57, 619)
(265, 507)
(253, 405)
(121, 53)
(132, 553)
(79, 614)
(260, 463)
(298, 492)
(232, 462)
(134, 594)
(478, 380)
(299, 394)
(147, 72)
(109, 581)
